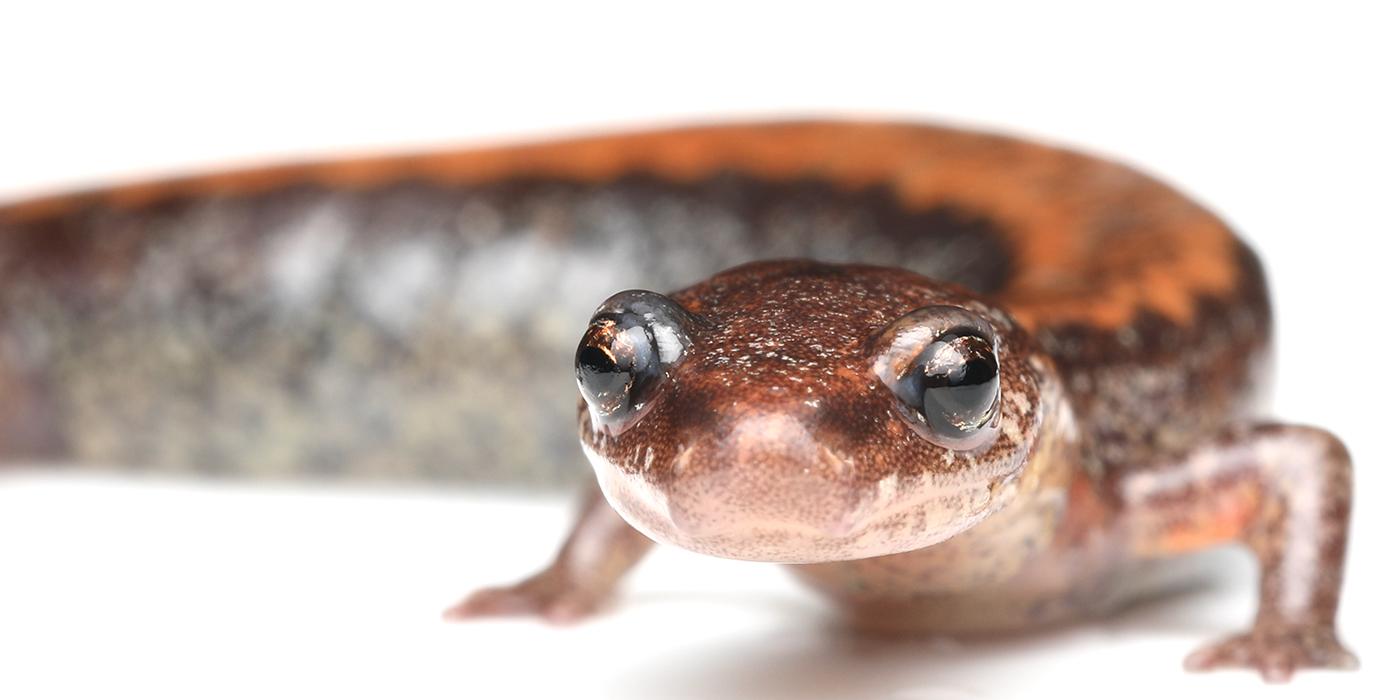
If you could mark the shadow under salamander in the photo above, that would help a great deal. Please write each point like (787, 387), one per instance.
(811, 658)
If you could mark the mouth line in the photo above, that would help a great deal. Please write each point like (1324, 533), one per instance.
(895, 514)
(784, 544)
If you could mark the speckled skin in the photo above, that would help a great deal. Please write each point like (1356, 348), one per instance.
(415, 314)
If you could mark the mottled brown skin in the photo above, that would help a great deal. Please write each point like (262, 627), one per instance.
(1131, 327)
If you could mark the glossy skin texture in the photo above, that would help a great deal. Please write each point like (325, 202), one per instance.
(764, 412)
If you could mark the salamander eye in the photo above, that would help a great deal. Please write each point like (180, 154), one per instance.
(953, 383)
(941, 365)
(633, 341)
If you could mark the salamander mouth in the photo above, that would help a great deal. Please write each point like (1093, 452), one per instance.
(816, 520)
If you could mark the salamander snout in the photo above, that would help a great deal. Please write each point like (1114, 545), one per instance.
(763, 470)
(761, 483)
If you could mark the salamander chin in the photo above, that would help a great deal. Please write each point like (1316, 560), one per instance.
(798, 412)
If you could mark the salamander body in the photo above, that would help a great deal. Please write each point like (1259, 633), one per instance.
(959, 382)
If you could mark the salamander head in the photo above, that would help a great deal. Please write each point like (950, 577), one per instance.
(799, 412)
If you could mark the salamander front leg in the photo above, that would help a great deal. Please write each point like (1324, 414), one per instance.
(600, 549)
(1285, 491)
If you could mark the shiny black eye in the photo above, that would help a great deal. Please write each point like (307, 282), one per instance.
(616, 365)
(634, 339)
(953, 384)
(940, 362)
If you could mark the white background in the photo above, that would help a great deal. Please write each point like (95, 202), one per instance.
(1282, 119)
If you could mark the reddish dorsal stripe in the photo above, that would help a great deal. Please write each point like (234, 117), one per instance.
(1095, 243)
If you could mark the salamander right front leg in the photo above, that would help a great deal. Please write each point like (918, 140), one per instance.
(599, 551)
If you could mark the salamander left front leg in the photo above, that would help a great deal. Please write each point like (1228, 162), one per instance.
(1285, 491)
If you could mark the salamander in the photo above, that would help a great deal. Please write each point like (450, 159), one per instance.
(957, 382)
